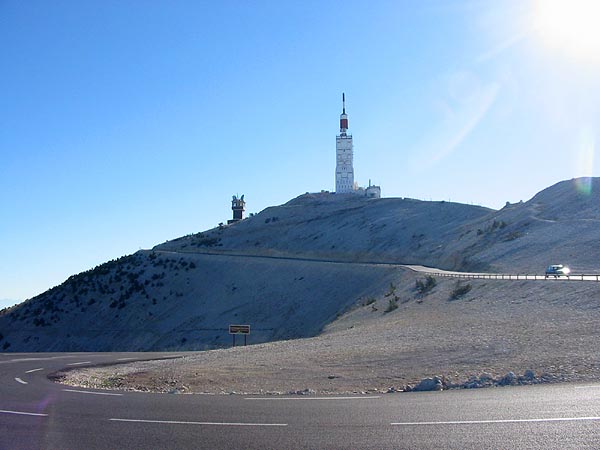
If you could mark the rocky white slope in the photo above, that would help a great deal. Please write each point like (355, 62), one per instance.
(560, 224)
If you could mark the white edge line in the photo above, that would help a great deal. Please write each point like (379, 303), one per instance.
(35, 370)
(21, 381)
(92, 392)
(313, 398)
(21, 413)
(594, 386)
(180, 422)
(125, 359)
(78, 363)
(475, 422)
(35, 359)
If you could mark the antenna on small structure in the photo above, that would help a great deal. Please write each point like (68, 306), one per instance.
(343, 103)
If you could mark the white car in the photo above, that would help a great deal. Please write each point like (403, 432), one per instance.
(557, 270)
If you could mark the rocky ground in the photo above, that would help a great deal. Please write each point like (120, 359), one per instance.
(493, 333)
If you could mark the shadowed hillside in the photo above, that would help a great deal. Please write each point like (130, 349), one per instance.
(158, 301)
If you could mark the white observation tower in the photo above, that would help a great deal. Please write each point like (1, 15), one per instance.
(344, 152)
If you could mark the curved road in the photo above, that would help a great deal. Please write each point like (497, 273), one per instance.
(414, 267)
(36, 413)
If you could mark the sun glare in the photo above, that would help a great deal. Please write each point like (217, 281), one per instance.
(570, 25)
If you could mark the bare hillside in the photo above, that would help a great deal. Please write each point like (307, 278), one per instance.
(346, 228)
(183, 294)
(558, 225)
(548, 329)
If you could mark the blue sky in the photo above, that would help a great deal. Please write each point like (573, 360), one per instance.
(124, 124)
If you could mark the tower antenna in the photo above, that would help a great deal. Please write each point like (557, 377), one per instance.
(343, 103)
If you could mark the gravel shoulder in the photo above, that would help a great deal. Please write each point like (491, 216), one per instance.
(548, 327)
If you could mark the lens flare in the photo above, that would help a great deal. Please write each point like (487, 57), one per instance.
(585, 161)
(584, 185)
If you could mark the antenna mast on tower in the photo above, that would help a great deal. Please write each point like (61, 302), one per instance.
(343, 116)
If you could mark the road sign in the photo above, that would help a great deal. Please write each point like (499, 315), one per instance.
(239, 329)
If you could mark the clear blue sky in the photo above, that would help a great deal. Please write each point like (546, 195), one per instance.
(124, 124)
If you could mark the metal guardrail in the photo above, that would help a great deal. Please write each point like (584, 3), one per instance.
(498, 276)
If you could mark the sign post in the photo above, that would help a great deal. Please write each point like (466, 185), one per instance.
(239, 329)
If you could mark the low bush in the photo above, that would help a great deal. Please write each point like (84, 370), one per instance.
(392, 290)
(460, 290)
(369, 301)
(425, 286)
(392, 304)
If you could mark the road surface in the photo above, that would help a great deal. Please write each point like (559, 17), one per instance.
(36, 413)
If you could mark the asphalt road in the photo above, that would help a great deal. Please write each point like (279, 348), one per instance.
(36, 413)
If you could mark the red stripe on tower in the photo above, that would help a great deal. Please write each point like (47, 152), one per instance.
(343, 116)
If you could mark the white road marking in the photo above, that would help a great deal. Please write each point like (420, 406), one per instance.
(477, 422)
(35, 370)
(21, 413)
(92, 392)
(79, 363)
(21, 381)
(124, 359)
(595, 386)
(180, 422)
(313, 398)
(36, 359)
